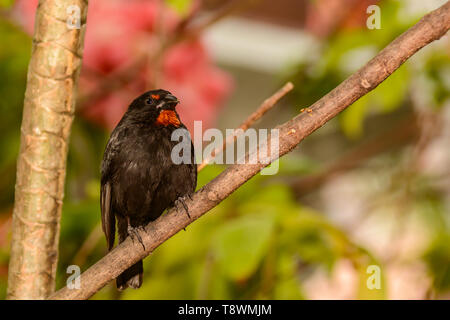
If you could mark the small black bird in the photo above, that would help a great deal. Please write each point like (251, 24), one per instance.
(138, 177)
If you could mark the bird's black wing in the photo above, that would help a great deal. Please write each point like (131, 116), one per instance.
(108, 218)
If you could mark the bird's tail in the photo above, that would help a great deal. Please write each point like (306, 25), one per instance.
(131, 278)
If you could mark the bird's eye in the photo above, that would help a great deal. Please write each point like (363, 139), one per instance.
(149, 101)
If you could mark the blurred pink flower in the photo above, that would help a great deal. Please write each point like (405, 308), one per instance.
(122, 32)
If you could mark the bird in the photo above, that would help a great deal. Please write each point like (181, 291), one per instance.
(139, 180)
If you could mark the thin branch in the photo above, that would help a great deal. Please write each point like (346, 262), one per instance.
(432, 27)
(88, 245)
(255, 116)
(190, 29)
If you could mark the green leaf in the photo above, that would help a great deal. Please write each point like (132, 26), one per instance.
(163, 286)
(297, 165)
(6, 3)
(312, 238)
(352, 119)
(208, 173)
(241, 245)
(180, 6)
(438, 260)
(2, 289)
(287, 286)
(389, 95)
(288, 289)
(273, 194)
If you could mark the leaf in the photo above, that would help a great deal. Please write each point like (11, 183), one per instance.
(297, 165)
(314, 239)
(273, 194)
(6, 3)
(180, 6)
(208, 173)
(352, 119)
(437, 258)
(241, 245)
(389, 95)
(287, 286)
(2, 290)
(160, 286)
(314, 246)
(288, 289)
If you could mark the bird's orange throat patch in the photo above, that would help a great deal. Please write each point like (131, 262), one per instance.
(167, 117)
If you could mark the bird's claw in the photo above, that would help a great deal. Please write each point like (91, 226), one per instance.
(182, 201)
(134, 233)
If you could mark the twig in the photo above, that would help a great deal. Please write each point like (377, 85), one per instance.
(432, 27)
(88, 245)
(189, 29)
(263, 108)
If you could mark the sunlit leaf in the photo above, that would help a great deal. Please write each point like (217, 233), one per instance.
(180, 6)
(437, 258)
(6, 3)
(241, 244)
(288, 289)
(391, 93)
(352, 119)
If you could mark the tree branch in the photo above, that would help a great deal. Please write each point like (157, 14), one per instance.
(47, 117)
(432, 27)
(268, 104)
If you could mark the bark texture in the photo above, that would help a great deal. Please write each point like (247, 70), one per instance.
(47, 117)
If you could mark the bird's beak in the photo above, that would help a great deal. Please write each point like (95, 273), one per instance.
(171, 101)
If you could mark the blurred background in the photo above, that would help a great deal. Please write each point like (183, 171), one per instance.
(372, 187)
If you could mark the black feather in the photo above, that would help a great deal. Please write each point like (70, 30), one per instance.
(108, 219)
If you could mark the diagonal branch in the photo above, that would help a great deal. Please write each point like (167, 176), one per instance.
(268, 104)
(432, 27)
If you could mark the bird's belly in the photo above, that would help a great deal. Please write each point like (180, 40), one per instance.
(131, 196)
(143, 197)
(176, 182)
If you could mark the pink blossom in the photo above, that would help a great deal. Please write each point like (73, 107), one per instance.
(121, 32)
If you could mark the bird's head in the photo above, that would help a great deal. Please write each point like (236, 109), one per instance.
(157, 106)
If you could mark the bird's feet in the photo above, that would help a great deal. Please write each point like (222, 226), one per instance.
(182, 201)
(133, 232)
